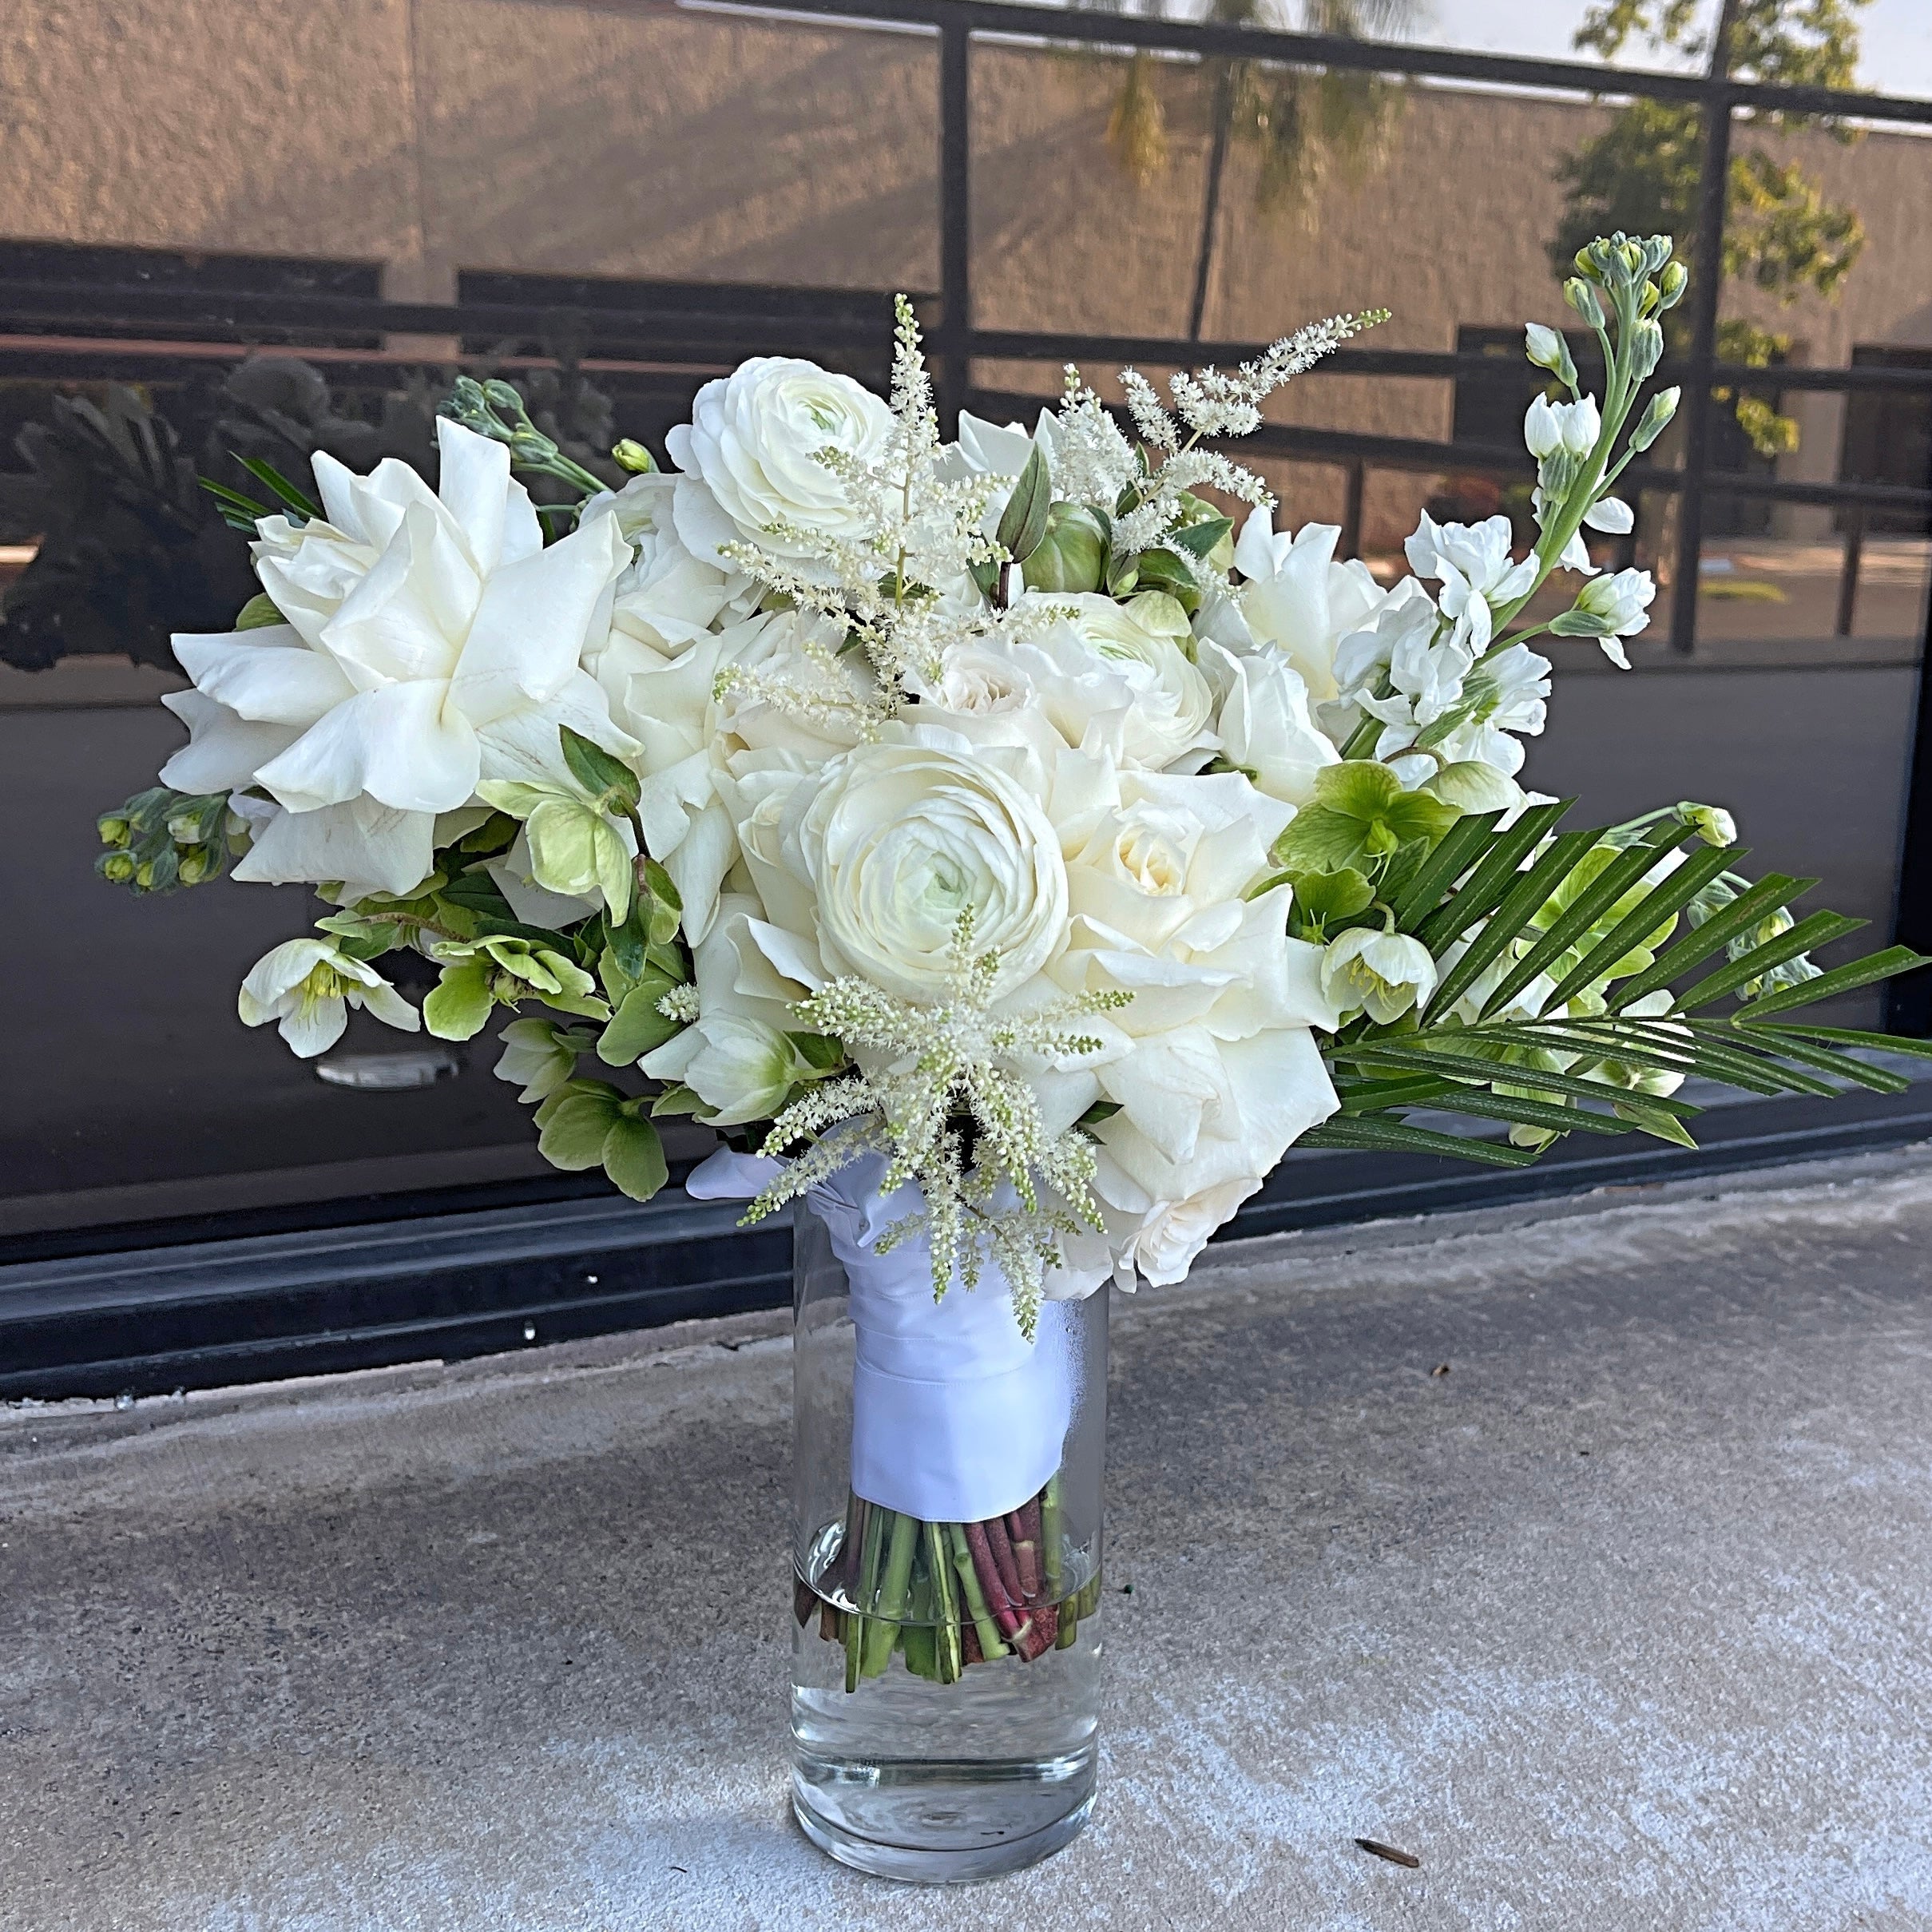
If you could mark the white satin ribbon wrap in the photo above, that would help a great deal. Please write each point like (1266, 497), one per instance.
(956, 1416)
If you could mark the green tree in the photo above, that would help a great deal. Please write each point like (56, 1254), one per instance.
(1639, 175)
(1312, 128)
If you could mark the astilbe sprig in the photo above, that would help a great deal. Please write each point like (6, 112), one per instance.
(932, 1069)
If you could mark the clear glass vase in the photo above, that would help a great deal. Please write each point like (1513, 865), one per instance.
(945, 1674)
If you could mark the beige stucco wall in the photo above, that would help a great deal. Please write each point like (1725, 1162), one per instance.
(431, 135)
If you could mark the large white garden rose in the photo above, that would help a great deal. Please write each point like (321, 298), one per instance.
(754, 441)
(1127, 664)
(432, 640)
(1262, 720)
(1299, 598)
(1219, 1073)
(893, 841)
(667, 598)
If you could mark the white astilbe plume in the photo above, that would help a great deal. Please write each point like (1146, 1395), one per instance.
(949, 1070)
(1216, 403)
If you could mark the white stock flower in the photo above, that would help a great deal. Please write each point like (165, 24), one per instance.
(1384, 972)
(432, 640)
(1550, 426)
(1622, 605)
(889, 844)
(308, 986)
(1426, 679)
(1104, 651)
(1299, 598)
(1473, 562)
(754, 442)
(1262, 720)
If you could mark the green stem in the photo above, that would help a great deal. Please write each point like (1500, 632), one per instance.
(1049, 1536)
(865, 1589)
(894, 1594)
(991, 1644)
(939, 1566)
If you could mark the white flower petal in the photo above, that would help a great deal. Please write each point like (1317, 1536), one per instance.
(405, 746)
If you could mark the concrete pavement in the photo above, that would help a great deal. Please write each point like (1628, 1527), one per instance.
(1621, 1622)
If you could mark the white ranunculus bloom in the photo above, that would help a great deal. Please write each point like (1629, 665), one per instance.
(893, 841)
(1102, 650)
(1299, 598)
(754, 441)
(1262, 720)
(308, 985)
(432, 640)
(1387, 973)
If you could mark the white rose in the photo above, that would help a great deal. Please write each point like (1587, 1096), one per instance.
(1103, 653)
(1172, 1233)
(754, 440)
(1262, 720)
(894, 841)
(667, 598)
(432, 640)
(1216, 1071)
(1298, 598)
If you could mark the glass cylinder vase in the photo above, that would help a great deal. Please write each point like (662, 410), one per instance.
(947, 1639)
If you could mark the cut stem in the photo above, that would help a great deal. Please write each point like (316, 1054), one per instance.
(894, 1593)
(972, 1595)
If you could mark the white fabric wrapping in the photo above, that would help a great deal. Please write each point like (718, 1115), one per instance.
(956, 1416)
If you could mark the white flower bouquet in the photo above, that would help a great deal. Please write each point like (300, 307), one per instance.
(1017, 840)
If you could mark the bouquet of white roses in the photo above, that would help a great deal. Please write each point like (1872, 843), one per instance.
(1021, 828)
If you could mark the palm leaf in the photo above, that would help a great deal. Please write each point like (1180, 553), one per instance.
(1884, 965)
(1819, 929)
(1525, 898)
(1590, 904)
(297, 499)
(1881, 1080)
(1480, 1071)
(1442, 868)
(1848, 1036)
(1383, 1136)
(1484, 887)
(1771, 893)
(1663, 901)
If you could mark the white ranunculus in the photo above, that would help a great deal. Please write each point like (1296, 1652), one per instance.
(1263, 721)
(754, 442)
(1101, 649)
(308, 985)
(1384, 972)
(432, 641)
(1299, 598)
(893, 841)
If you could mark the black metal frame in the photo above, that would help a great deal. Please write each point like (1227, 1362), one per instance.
(261, 1305)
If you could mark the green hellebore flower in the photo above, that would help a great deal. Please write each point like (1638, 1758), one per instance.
(1360, 813)
(574, 849)
(479, 973)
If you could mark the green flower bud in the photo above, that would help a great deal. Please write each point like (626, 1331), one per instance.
(1646, 350)
(1655, 417)
(633, 457)
(1712, 823)
(1582, 297)
(1073, 554)
(199, 863)
(1546, 349)
(117, 868)
(1671, 286)
(113, 828)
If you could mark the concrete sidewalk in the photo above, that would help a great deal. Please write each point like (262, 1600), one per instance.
(1624, 1621)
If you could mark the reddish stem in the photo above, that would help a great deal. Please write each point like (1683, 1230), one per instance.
(1042, 1629)
(999, 1599)
(969, 1643)
(1002, 1555)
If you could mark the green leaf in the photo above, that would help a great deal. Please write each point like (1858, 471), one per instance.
(1664, 901)
(1168, 571)
(299, 500)
(1479, 893)
(1023, 522)
(1512, 914)
(1383, 1136)
(259, 613)
(637, 1026)
(458, 1006)
(1453, 857)
(1849, 1036)
(574, 1136)
(1579, 624)
(1770, 894)
(677, 1100)
(1525, 1112)
(634, 1156)
(1819, 929)
(1655, 1122)
(1573, 923)
(238, 512)
(1328, 896)
(666, 907)
(1483, 1069)
(628, 941)
(1886, 965)
(1199, 539)
(818, 1051)
(597, 772)
(1879, 1079)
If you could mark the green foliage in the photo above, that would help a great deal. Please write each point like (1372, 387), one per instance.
(1782, 232)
